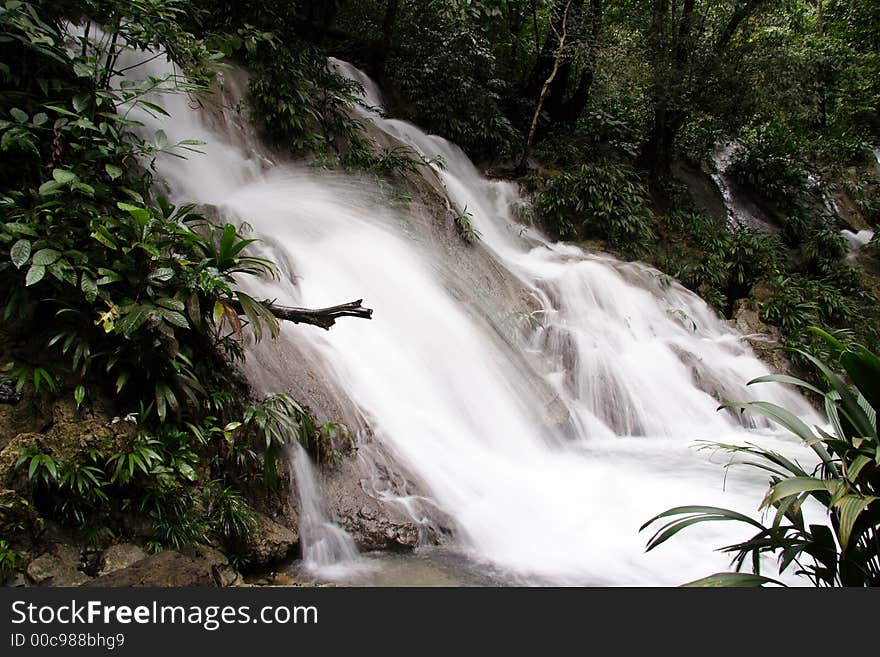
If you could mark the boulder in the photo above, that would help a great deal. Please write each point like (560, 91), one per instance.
(58, 566)
(117, 557)
(166, 569)
(270, 542)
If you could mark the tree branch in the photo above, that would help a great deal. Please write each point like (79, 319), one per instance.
(323, 317)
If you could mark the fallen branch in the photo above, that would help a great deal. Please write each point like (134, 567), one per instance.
(323, 317)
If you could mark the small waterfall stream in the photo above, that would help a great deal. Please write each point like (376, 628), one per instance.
(637, 363)
(326, 547)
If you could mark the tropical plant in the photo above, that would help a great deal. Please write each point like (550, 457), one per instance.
(845, 482)
(10, 561)
(603, 200)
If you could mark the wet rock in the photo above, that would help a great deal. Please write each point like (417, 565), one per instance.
(764, 339)
(270, 542)
(354, 490)
(117, 557)
(165, 569)
(58, 566)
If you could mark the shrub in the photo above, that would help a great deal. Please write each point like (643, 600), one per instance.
(603, 200)
(846, 482)
(770, 162)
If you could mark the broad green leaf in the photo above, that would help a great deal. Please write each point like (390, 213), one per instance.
(174, 317)
(849, 508)
(88, 190)
(863, 368)
(80, 103)
(46, 257)
(35, 275)
(63, 176)
(162, 275)
(113, 171)
(797, 485)
(141, 215)
(18, 115)
(849, 404)
(104, 237)
(172, 304)
(20, 229)
(187, 471)
(154, 107)
(49, 187)
(854, 468)
(20, 252)
(784, 378)
(79, 395)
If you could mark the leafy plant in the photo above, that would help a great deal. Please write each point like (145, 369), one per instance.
(846, 482)
(601, 200)
(10, 561)
(230, 518)
(464, 222)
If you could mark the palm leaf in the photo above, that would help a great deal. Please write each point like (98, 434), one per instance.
(725, 580)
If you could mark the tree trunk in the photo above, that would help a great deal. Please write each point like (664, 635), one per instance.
(560, 52)
(572, 108)
(383, 47)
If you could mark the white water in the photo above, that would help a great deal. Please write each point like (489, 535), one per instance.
(856, 241)
(639, 365)
(326, 547)
(741, 211)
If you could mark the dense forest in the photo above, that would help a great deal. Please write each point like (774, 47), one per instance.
(123, 327)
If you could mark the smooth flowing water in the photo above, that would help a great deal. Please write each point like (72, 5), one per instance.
(638, 365)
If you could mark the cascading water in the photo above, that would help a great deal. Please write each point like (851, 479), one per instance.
(638, 364)
(326, 546)
(741, 210)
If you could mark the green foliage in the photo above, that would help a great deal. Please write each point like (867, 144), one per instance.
(445, 68)
(108, 290)
(464, 222)
(11, 562)
(230, 518)
(601, 200)
(770, 162)
(298, 100)
(846, 483)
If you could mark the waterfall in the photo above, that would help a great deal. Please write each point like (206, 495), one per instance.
(458, 393)
(327, 548)
(741, 210)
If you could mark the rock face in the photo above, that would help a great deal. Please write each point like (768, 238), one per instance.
(166, 569)
(354, 489)
(271, 542)
(763, 338)
(58, 566)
